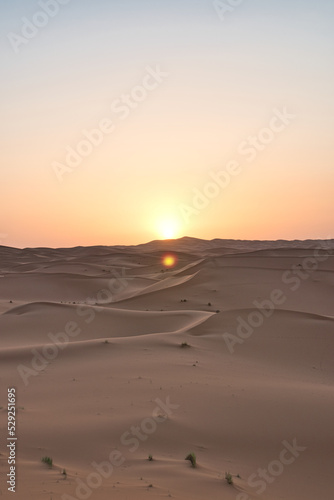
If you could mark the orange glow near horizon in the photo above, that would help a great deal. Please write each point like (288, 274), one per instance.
(148, 142)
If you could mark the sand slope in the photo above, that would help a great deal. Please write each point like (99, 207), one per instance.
(251, 381)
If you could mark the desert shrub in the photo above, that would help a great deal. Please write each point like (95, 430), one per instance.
(192, 459)
(48, 461)
(229, 478)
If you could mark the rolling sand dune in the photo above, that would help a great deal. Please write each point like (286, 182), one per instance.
(114, 358)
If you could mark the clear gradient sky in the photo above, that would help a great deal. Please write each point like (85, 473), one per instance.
(215, 115)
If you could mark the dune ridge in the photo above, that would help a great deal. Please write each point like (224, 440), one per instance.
(101, 341)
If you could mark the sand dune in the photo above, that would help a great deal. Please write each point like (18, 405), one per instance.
(197, 358)
(30, 324)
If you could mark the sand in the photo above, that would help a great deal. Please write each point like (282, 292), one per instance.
(91, 339)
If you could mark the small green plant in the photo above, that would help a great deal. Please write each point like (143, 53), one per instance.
(64, 473)
(229, 478)
(48, 461)
(185, 344)
(150, 458)
(192, 458)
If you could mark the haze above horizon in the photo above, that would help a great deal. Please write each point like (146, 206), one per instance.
(128, 121)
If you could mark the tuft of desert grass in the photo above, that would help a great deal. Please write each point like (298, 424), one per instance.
(192, 459)
(229, 478)
(48, 461)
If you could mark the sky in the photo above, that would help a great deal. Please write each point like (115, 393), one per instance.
(125, 121)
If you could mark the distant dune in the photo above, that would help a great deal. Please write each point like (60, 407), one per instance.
(115, 357)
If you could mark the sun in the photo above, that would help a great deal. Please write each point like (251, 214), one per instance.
(168, 228)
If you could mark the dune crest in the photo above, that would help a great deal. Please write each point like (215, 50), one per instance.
(115, 359)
